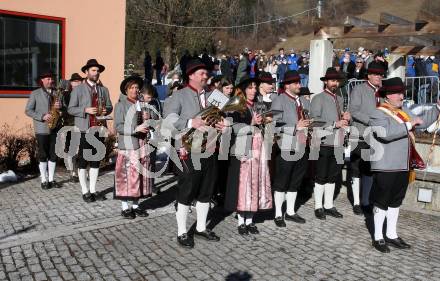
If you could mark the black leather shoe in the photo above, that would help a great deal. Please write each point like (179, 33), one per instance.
(320, 214)
(397, 243)
(333, 212)
(243, 230)
(54, 184)
(74, 178)
(252, 228)
(295, 218)
(87, 197)
(357, 210)
(140, 212)
(185, 240)
(367, 210)
(381, 246)
(128, 214)
(92, 197)
(279, 221)
(45, 185)
(99, 196)
(207, 234)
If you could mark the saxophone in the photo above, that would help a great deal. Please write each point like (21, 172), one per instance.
(55, 113)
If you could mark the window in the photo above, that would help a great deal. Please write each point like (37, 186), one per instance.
(29, 45)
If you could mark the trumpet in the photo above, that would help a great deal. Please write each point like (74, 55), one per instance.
(213, 115)
(99, 114)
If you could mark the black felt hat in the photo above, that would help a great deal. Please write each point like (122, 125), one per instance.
(135, 77)
(92, 63)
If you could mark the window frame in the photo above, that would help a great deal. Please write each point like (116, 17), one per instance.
(62, 21)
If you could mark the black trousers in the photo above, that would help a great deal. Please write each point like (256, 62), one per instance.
(46, 147)
(197, 184)
(359, 166)
(289, 174)
(327, 169)
(83, 145)
(389, 189)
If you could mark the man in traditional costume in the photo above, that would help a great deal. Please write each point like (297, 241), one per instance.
(327, 107)
(292, 157)
(392, 166)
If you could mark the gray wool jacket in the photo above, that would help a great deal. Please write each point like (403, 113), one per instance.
(390, 141)
(362, 105)
(125, 124)
(80, 99)
(36, 106)
(182, 106)
(286, 121)
(324, 109)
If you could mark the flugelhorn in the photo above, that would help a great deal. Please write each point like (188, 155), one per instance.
(213, 115)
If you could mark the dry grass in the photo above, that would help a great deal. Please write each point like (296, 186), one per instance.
(407, 9)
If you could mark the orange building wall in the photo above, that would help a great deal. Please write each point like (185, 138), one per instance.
(94, 29)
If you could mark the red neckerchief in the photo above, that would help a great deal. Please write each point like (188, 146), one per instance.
(198, 95)
(298, 107)
(338, 109)
(376, 93)
(249, 103)
(131, 100)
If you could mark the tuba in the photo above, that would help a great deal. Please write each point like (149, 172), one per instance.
(212, 115)
(56, 114)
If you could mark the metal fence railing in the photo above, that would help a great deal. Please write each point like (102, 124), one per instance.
(419, 90)
(422, 89)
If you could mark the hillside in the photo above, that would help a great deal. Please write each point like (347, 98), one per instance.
(407, 9)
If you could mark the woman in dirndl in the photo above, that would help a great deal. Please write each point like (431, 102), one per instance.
(248, 187)
(133, 162)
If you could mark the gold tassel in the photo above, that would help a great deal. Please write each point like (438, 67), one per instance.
(412, 176)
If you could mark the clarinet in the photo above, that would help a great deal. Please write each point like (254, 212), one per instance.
(144, 109)
(346, 130)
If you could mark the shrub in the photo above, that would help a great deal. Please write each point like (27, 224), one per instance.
(16, 145)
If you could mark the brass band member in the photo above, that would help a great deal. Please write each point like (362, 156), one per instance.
(327, 107)
(71, 162)
(393, 127)
(42, 107)
(248, 189)
(87, 102)
(291, 160)
(363, 101)
(133, 162)
(194, 184)
(265, 88)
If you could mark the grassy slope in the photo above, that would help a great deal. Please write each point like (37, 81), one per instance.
(407, 9)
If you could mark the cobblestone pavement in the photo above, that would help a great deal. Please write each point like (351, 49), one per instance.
(54, 235)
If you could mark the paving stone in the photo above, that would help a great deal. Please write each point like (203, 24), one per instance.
(73, 240)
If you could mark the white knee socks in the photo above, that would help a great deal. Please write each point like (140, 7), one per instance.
(43, 171)
(318, 192)
(135, 204)
(241, 218)
(329, 192)
(290, 202)
(124, 205)
(392, 216)
(279, 200)
(249, 218)
(93, 175)
(355, 187)
(379, 218)
(202, 213)
(52, 166)
(181, 216)
(82, 176)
